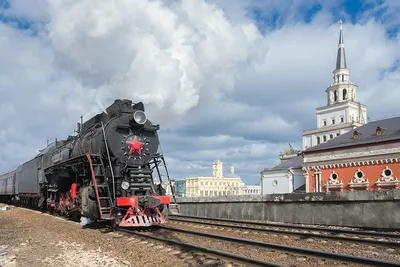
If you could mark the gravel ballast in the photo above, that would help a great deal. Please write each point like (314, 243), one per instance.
(362, 250)
(31, 238)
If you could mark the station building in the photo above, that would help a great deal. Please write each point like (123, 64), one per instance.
(345, 151)
(216, 185)
(250, 189)
(180, 188)
(287, 177)
(366, 158)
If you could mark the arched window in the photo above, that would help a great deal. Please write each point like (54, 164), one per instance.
(318, 140)
(355, 135)
(324, 138)
(378, 131)
(335, 95)
(331, 136)
(344, 94)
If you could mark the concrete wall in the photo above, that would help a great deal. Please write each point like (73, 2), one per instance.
(367, 209)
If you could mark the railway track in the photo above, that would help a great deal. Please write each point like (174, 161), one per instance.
(276, 248)
(356, 236)
(248, 252)
(230, 257)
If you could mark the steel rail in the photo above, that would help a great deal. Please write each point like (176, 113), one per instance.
(325, 229)
(297, 250)
(321, 236)
(218, 253)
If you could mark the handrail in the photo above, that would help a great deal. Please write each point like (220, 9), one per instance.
(109, 159)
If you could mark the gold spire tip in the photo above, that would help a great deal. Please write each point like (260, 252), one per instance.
(340, 23)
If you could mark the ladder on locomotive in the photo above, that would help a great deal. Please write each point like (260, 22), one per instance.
(105, 199)
(104, 192)
(173, 206)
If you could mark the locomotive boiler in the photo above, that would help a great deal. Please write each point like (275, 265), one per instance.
(111, 170)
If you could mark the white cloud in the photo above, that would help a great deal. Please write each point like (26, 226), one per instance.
(167, 56)
(278, 100)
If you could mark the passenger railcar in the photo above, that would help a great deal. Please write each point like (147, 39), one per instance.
(7, 186)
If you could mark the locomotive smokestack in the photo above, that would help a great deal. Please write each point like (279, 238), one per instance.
(138, 106)
(78, 128)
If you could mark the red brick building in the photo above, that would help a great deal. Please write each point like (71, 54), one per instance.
(365, 158)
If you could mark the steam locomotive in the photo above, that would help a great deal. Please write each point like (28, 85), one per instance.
(108, 171)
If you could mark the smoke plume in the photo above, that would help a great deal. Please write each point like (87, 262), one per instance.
(168, 56)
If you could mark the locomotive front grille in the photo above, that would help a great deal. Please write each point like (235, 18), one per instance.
(140, 181)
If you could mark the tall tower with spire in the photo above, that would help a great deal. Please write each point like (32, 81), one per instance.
(342, 112)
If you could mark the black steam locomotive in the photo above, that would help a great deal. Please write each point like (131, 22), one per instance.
(105, 172)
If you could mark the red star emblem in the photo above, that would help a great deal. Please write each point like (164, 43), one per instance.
(135, 145)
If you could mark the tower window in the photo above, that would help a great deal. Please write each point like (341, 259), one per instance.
(333, 120)
(342, 77)
(341, 119)
(378, 131)
(324, 121)
(335, 95)
(324, 138)
(344, 94)
(330, 136)
(318, 140)
(355, 135)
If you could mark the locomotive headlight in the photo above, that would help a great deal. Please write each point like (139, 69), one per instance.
(125, 185)
(139, 117)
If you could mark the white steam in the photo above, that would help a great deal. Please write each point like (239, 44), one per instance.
(165, 56)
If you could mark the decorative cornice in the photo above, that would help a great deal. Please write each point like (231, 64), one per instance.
(329, 128)
(340, 105)
(350, 164)
(343, 85)
(357, 154)
(282, 170)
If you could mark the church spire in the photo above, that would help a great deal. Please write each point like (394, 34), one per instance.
(341, 56)
(342, 89)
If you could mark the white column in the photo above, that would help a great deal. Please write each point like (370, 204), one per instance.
(317, 181)
(306, 181)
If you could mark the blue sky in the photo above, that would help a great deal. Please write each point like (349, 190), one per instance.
(237, 82)
(350, 11)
